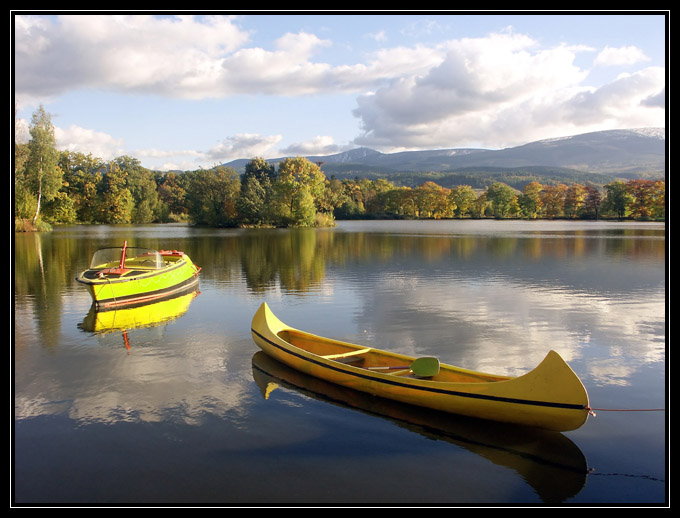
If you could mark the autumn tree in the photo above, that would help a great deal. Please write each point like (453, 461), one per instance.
(647, 198)
(432, 201)
(658, 200)
(552, 198)
(574, 199)
(592, 202)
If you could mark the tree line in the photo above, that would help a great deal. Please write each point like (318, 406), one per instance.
(65, 187)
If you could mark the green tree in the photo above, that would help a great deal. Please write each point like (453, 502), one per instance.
(617, 199)
(256, 191)
(60, 209)
(43, 177)
(333, 197)
(141, 183)
(303, 210)
(530, 200)
(462, 198)
(117, 202)
(259, 169)
(212, 195)
(354, 203)
(82, 179)
(172, 192)
(252, 201)
(503, 200)
(479, 205)
(297, 179)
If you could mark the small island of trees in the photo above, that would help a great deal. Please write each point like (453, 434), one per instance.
(54, 187)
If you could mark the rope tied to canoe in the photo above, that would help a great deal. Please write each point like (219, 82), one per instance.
(591, 410)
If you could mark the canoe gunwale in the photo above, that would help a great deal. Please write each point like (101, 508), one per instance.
(421, 384)
(550, 396)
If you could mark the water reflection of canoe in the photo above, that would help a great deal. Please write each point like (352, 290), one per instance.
(143, 315)
(548, 461)
(120, 276)
(550, 396)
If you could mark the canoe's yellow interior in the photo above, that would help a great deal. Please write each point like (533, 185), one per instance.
(365, 357)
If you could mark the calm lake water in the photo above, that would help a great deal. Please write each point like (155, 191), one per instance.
(174, 405)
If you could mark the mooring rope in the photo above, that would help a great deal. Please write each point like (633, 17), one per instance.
(592, 410)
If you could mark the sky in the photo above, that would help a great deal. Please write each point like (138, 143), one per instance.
(189, 91)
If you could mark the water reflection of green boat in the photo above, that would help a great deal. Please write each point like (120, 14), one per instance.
(120, 276)
(142, 315)
(548, 461)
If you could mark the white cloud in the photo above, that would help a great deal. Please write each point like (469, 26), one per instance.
(500, 89)
(185, 57)
(503, 90)
(87, 141)
(629, 55)
(123, 52)
(245, 145)
(320, 145)
(101, 145)
(378, 36)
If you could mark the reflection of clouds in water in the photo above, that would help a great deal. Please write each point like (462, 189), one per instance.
(504, 326)
(612, 371)
(151, 382)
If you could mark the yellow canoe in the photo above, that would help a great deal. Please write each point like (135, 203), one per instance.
(551, 396)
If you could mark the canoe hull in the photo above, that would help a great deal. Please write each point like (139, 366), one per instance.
(141, 287)
(550, 396)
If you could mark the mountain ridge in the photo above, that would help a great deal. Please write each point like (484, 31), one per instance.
(625, 152)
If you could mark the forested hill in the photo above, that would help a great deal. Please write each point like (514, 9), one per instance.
(597, 158)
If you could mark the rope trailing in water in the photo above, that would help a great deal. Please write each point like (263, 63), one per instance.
(592, 410)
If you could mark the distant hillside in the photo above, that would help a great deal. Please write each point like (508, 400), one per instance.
(596, 157)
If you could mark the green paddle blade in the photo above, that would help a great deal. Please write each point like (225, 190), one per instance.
(425, 367)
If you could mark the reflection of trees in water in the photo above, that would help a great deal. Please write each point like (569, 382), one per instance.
(297, 260)
(293, 259)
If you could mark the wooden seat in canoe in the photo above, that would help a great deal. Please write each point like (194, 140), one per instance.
(348, 357)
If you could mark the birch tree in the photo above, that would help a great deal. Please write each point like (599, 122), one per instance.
(42, 175)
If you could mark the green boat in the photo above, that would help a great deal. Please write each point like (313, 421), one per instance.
(120, 276)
